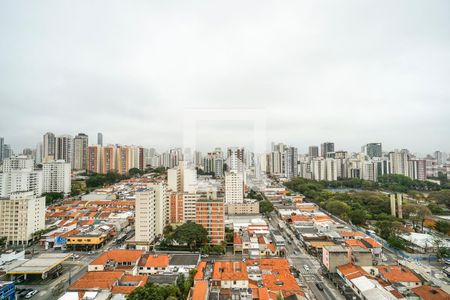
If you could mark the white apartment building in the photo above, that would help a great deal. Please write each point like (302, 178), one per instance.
(145, 219)
(21, 181)
(21, 215)
(234, 187)
(56, 177)
(182, 178)
(161, 206)
(17, 163)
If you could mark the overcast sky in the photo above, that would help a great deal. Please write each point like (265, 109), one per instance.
(351, 72)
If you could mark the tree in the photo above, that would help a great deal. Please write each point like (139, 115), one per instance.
(265, 206)
(155, 292)
(134, 171)
(441, 197)
(416, 213)
(50, 198)
(338, 208)
(192, 234)
(358, 216)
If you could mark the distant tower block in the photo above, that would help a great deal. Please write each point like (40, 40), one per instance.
(396, 205)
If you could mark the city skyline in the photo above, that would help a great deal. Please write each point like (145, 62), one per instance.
(322, 71)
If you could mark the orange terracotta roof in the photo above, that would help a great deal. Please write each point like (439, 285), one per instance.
(300, 218)
(261, 240)
(321, 218)
(237, 239)
(280, 280)
(200, 270)
(353, 243)
(200, 290)
(227, 270)
(97, 280)
(427, 292)
(272, 247)
(263, 293)
(351, 271)
(86, 222)
(398, 274)
(371, 242)
(352, 233)
(118, 255)
(158, 260)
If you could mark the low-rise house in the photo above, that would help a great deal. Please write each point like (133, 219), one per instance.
(153, 264)
(119, 259)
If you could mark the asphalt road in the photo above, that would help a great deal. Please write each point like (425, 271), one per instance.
(299, 258)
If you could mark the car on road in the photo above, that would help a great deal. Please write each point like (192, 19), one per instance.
(295, 252)
(31, 294)
(205, 255)
(319, 285)
(23, 293)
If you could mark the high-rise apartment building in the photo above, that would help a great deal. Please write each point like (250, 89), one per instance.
(182, 178)
(49, 147)
(213, 163)
(417, 169)
(313, 151)
(2, 143)
(80, 146)
(100, 139)
(21, 180)
(327, 150)
(236, 159)
(17, 163)
(182, 207)
(372, 150)
(211, 214)
(399, 162)
(38, 153)
(234, 187)
(94, 159)
(145, 219)
(21, 215)
(290, 162)
(56, 177)
(64, 148)
(161, 206)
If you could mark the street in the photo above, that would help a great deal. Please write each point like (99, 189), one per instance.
(298, 258)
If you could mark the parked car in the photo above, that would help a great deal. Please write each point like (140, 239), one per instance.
(31, 294)
(319, 285)
(306, 267)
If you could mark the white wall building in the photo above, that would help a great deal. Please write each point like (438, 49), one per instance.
(161, 206)
(17, 163)
(234, 187)
(56, 177)
(21, 215)
(21, 181)
(145, 219)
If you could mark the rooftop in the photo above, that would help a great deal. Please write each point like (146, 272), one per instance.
(184, 259)
(398, 274)
(118, 255)
(40, 264)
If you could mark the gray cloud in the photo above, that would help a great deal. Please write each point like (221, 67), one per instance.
(348, 71)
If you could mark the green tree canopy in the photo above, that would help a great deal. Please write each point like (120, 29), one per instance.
(155, 292)
(338, 208)
(265, 206)
(192, 234)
